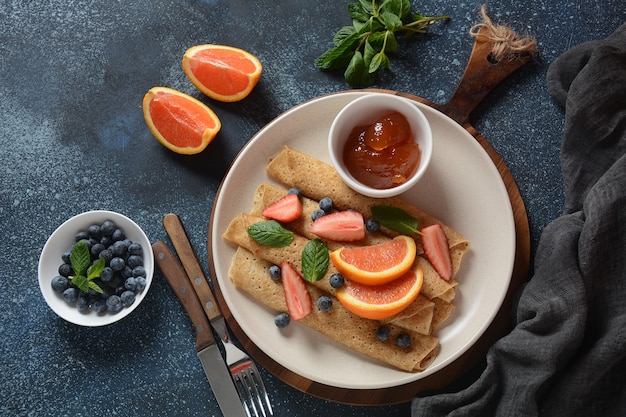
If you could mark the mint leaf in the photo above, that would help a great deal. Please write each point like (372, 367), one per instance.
(339, 56)
(81, 282)
(92, 285)
(315, 259)
(360, 11)
(343, 33)
(357, 74)
(392, 21)
(80, 258)
(96, 269)
(396, 219)
(380, 59)
(270, 233)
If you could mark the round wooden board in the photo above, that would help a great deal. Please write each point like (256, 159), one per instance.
(480, 77)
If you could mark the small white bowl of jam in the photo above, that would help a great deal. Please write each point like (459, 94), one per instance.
(380, 144)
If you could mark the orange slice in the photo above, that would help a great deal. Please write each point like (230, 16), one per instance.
(180, 122)
(222, 72)
(377, 264)
(377, 302)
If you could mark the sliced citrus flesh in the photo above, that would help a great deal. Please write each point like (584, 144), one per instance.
(376, 264)
(180, 122)
(223, 73)
(377, 302)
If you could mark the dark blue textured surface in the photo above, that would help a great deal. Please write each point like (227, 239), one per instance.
(73, 138)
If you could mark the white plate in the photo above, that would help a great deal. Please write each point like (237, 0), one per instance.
(462, 188)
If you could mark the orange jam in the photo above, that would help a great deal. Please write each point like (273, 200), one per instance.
(382, 155)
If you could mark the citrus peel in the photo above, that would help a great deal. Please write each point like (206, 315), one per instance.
(376, 264)
(377, 302)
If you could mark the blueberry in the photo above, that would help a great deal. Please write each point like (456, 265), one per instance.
(114, 303)
(117, 264)
(324, 303)
(296, 191)
(96, 249)
(70, 295)
(139, 271)
(135, 249)
(134, 261)
(119, 248)
(117, 280)
(382, 333)
(130, 284)
(106, 274)
(99, 306)
(372, 226)
(275, 272)
(282, 320)
(60, 284)
(106, 254)
(94, 231)
(118, 234)
(66, 257)
(127, 272)
(106, 241)
(140, 283)
(403, 340)
(65, 270)
(83, 235)
(326, 204)
(316, 214)
(107, 228)
(128, 298)
(336, 280)
(82, 304)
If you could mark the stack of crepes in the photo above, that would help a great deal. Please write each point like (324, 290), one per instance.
(316, 180)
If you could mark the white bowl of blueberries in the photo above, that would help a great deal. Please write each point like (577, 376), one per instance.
(96, 268)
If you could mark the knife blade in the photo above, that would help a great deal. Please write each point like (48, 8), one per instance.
(188, 257)
(208, 352)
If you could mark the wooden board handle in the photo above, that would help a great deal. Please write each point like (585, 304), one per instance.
(481, 76)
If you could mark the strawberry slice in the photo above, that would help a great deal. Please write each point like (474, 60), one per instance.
(435, 243)
(341, 226)
(285, 210)
(296, 294)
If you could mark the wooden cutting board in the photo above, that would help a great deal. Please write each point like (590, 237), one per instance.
(481, 75)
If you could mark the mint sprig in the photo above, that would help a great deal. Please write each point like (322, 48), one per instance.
(362, 49)
(84, 271)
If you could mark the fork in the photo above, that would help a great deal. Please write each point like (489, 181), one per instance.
(244, 371)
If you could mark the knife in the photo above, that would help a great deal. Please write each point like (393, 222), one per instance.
(214, 366)
(176, 231)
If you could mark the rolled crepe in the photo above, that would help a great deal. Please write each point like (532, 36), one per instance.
(317, 180)
(417, 317)
(249, 274)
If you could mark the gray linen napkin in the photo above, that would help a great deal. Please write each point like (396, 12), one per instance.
(566, 355)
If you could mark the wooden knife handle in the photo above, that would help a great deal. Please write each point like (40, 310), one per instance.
(176, 231)
(176, 277)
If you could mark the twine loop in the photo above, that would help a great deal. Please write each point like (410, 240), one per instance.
(506, 43)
